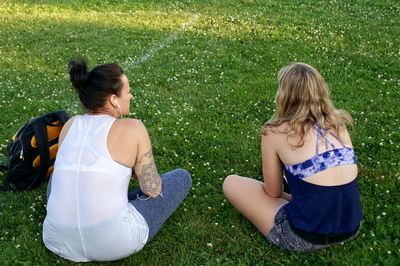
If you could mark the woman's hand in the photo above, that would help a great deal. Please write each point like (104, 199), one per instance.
(286, 196)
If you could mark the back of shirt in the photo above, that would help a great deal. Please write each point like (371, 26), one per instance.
(325, 196)
(88, 213)
(87, 185)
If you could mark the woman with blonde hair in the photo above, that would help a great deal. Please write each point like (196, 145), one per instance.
(305, 142)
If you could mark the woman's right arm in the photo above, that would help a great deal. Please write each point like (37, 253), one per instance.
(145, 166)
(272, 167)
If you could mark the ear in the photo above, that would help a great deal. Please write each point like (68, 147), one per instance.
(113, 99)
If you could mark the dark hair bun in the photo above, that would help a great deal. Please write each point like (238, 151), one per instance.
(78, 73)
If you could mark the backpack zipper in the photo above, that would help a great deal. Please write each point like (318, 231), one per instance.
(21, 153)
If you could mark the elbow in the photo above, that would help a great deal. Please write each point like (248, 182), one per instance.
(274, 193)
(155, 194)
(152, 192)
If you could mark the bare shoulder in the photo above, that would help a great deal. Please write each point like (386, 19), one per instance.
(344, 136)
(275, 135)
(128, 126)
(128, 122)
(124, 139)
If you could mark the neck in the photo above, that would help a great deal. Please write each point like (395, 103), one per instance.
(105, 111)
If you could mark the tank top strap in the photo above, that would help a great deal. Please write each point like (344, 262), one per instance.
(338, 139)
(320, 133)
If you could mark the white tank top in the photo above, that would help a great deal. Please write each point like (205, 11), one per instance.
(88, 213)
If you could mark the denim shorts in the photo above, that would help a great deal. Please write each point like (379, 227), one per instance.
(282, 235)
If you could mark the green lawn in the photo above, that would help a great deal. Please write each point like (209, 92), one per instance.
(203, 73)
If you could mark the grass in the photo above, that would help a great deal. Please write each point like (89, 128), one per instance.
(204, 90)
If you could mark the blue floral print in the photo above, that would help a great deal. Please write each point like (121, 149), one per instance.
(323, 161)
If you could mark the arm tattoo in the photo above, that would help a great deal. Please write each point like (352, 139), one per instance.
(148, 155)
(149, 180)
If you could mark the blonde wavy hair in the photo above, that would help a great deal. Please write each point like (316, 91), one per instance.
(303, 99)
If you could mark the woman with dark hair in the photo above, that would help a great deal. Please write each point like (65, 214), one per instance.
(90, 214)
(307, 142)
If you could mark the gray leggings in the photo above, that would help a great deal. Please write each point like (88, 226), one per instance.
(175, 187)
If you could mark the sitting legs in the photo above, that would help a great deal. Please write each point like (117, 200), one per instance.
(248, 196)
(175, 187)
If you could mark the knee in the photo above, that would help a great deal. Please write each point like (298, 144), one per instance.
(184, 178)
(229, 184)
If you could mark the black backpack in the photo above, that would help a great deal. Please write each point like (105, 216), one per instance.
(32, 152)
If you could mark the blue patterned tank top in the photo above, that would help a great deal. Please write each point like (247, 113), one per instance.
(325, 160)
(323, 209)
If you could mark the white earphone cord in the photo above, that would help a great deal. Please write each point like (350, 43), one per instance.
(144, 199)
(119, 108)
